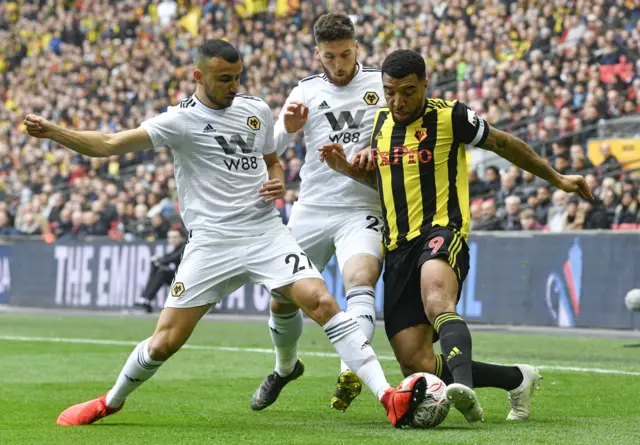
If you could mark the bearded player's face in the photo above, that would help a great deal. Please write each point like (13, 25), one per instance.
(338, 60)
(405, 97)
(220, 80)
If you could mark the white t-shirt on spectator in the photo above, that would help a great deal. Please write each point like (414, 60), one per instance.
(166, 11)
(218, 164)
(339, 114)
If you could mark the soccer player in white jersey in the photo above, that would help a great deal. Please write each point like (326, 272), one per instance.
(228, 177)
(333, 214)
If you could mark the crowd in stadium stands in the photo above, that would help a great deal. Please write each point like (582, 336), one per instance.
(545, 71)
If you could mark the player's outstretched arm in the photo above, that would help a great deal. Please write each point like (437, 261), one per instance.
(89, 143)
(334, 156)
(522, 155)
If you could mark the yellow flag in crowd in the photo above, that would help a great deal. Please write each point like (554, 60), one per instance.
(285, 7)
(190, 21)
(247, 8)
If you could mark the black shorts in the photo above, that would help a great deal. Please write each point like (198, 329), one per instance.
(403, 306)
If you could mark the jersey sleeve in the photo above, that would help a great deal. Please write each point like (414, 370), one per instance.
(467, 126)
(165, 129)
(281, 137)
(269, 142)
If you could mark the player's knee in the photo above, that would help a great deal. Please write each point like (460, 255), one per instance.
(417, 362)
(322, 306)
(360, 277)
(163, 345)
(439, 296)
(280, 307)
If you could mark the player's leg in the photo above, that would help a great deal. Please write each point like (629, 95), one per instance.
(440, 281)
(308, 226)
(313, 297)
(207, 273)
(285, 328)
(172, 331)
(359, 251)
(281, 266)
(441, 287)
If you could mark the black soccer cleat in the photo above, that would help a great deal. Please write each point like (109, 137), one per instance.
(269, 390)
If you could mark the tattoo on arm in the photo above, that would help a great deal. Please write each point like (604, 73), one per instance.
(520, 154)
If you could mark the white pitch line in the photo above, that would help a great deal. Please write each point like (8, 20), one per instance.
(91, 341)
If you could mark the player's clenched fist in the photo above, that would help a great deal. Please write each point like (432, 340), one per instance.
(38, 126)
(272, 190)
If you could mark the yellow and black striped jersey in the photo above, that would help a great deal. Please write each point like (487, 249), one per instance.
(422, 169)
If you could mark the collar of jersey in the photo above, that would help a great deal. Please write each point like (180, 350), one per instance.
(199, 102)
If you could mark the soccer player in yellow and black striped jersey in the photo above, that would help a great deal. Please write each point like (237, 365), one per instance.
(419, 169)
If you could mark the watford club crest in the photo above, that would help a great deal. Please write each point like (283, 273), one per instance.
(421, 134)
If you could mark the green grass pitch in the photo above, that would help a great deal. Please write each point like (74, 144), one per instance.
(201, 396)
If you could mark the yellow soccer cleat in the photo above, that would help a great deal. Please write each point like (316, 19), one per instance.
(348, 388)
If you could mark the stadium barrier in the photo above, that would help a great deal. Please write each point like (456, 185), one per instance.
(569, 280)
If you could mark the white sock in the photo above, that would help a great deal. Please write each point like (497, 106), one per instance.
(356, 351)
(361, 306)
(138, 369)
(285, 330)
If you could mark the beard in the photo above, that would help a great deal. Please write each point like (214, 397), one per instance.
(340, 81)
(220, 102)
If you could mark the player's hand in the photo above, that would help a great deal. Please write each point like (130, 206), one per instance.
(334, 156)
(575, 184)
(38, 126)
(295, 116)
(272, 190)
(364, 160)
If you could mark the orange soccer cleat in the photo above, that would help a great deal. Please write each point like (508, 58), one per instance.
(401, 402)
(87, 412)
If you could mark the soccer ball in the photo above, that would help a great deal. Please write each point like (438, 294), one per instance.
(435, 406)
(632, 300)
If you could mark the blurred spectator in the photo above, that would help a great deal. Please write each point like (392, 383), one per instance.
(477, 187)
(609, 163)
(511, 220)
(573, 218)
(626, 211)
(508, 187)
(555, 216)
(543, 204)
(475, 210)
(595, 215)
(528, 220)
(492, 175)
(490, 220)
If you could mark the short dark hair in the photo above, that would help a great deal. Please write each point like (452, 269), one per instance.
(217, 48)
(404, 62)
(333, 26)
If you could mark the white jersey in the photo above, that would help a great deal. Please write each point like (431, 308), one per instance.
(337, 114)
(218, 164)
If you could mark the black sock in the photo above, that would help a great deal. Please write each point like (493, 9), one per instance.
(485, 375)
(455, 341)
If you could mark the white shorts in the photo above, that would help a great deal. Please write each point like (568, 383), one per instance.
(322, 231)
(212, 268)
